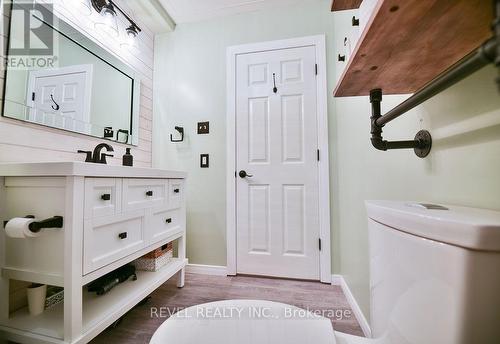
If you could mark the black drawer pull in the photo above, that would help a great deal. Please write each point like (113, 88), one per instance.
(177, 190)
(355, 21)
(122, 235)
(149, 193)
(341, 58)
(106, 197)
(168, 220)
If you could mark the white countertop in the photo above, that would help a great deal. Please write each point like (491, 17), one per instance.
(85, 169)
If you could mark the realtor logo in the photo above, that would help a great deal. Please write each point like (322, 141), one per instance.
(31, 38)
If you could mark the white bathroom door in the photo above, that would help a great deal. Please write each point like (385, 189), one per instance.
(276, 145)
(61, 97)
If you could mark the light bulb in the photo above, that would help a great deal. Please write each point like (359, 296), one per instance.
(130, 39)
(108, 21)
(131, 32)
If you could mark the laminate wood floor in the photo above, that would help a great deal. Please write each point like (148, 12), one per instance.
(139, 324)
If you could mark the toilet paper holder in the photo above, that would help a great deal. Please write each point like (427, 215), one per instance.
(37, 226)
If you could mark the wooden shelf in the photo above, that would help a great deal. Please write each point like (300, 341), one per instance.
(407, 43)
(98, 311)
(340, 5)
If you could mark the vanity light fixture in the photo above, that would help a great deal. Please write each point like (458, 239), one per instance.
(108, 10)
(108, 20)
(132, 31)
(129, 40)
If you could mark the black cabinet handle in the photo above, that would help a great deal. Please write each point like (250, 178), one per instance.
(341, 58)
(122, 235)
(168, 220)
(149, 193)
(177, 190)
(355, 21)
(106, 197)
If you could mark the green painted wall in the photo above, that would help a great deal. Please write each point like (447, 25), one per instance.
(190, 76)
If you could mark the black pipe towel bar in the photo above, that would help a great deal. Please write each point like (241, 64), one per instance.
(422, 143)
(488, 53)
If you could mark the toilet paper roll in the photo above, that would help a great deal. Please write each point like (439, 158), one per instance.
(18, 227)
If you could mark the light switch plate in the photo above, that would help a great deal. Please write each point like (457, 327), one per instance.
(203, 127)
(204, 163)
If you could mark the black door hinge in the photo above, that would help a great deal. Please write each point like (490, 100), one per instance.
(33, 96)
(319, 244)
(316, 68)
(317, 154)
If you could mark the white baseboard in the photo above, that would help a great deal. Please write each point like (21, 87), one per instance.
(356, 310)
(214, 270)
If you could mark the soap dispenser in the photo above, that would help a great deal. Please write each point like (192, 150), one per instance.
(128, 159)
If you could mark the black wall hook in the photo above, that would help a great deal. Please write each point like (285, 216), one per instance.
(275, 89)
(181, 131)
(55, 106)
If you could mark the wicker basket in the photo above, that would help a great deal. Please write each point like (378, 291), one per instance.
(54, 296)
(155, 260)
(159, 251)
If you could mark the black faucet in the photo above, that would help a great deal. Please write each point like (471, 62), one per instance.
(98, 157)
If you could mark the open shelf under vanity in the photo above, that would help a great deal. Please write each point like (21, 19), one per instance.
(98, 311)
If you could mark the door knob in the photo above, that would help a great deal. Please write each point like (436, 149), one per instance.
(244, 174)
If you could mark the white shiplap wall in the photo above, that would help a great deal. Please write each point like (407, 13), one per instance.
(25, 142)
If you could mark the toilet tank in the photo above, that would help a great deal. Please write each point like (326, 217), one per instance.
(434, 273)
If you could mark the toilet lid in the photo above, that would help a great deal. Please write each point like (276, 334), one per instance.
(477, 229)
(244, 322)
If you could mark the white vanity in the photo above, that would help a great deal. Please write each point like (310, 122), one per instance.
(111, 216)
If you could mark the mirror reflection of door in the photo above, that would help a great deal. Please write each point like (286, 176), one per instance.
(61, 97)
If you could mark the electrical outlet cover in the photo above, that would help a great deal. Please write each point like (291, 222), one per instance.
(203, 127)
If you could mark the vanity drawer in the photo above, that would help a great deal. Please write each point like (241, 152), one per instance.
(102, 197)
(175, 193)
(144, 193)
(161, 224)
(108, 239)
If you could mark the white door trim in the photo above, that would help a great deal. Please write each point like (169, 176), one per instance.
(324, 175)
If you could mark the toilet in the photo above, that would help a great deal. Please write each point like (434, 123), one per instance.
(434, 279)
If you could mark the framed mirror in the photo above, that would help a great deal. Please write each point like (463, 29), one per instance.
(77, 86)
